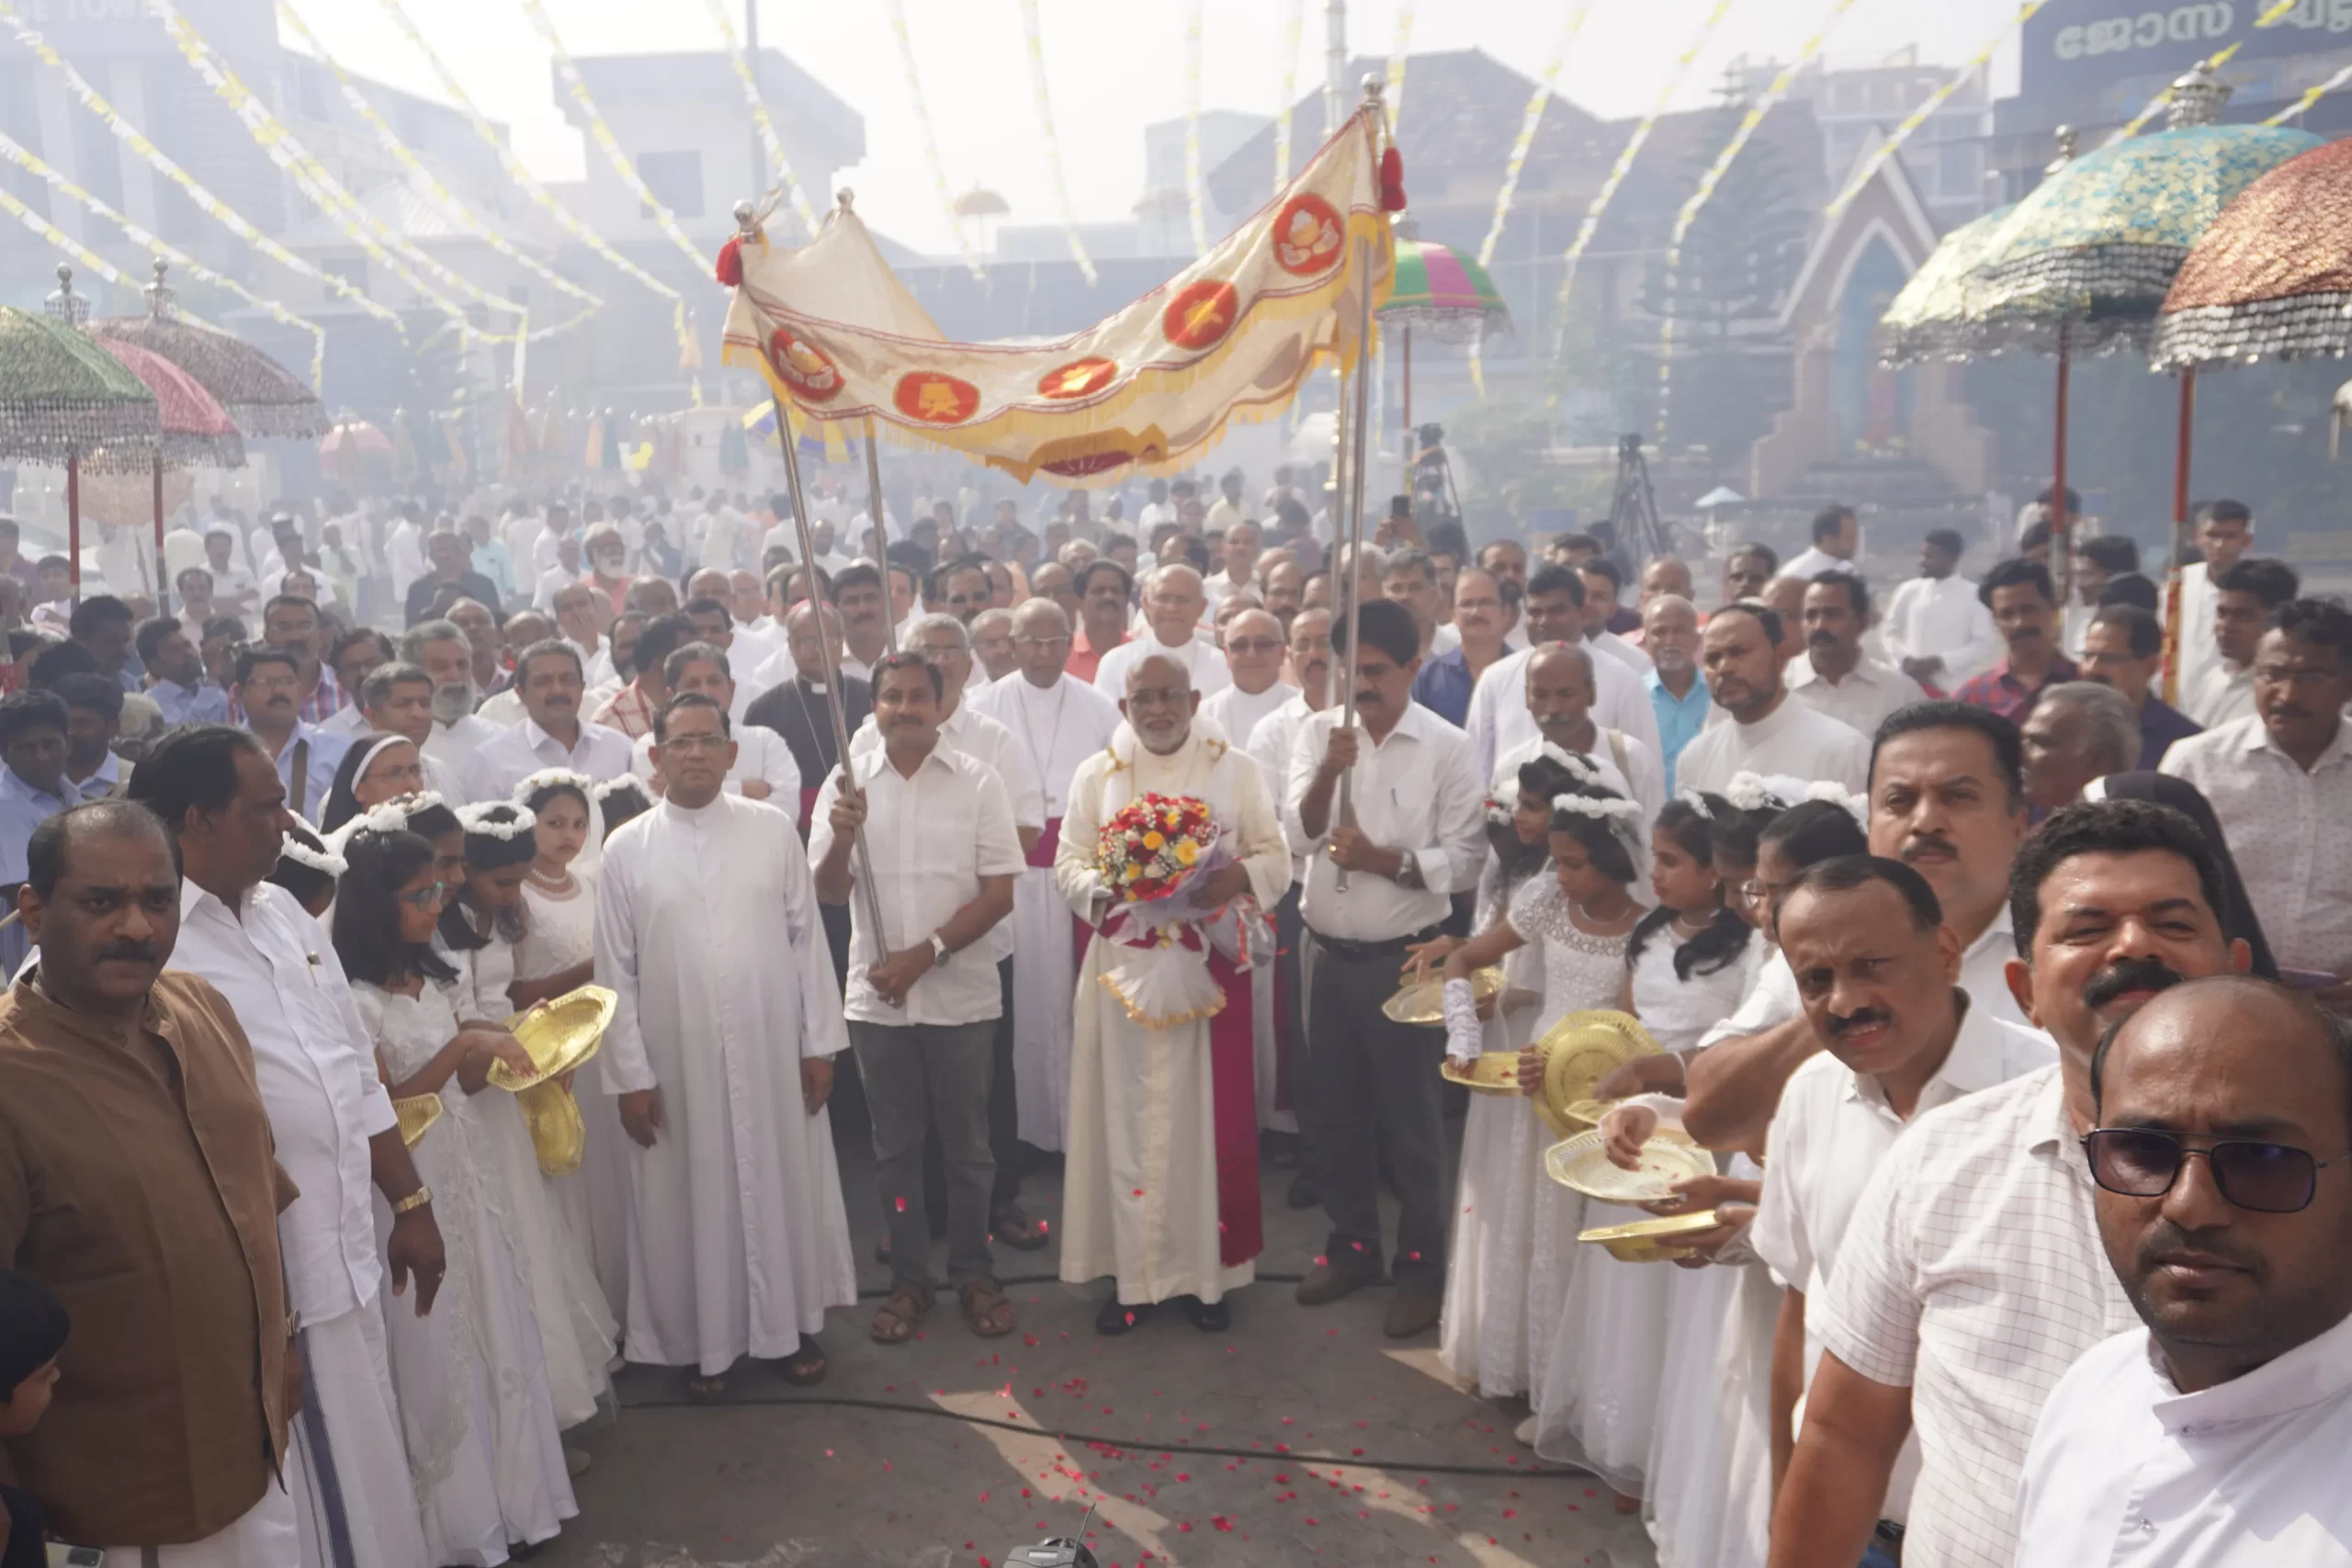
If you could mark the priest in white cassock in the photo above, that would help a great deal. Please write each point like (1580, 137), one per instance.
(1254, 647)
(1173, 605)
(1281, 1062)
(1161, 1190)
(1773, 731)
(1057, 721)
(720, 1051)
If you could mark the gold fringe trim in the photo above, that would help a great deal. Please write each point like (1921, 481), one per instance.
(1195, 1016)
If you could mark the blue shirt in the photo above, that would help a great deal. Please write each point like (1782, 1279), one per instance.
(326, 752)
(1445, 685)
(1680, 719)
(205, 704)
(22, 809)
(2161, 724)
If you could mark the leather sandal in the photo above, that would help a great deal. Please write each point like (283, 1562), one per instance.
(987, 1313)
(894, 1320)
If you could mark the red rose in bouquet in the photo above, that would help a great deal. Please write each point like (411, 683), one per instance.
(1152, 847)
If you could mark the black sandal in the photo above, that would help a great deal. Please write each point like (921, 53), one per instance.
(804, 1368)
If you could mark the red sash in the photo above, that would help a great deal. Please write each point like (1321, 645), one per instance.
(1048, 842)
(1233, 1089)
(808, 808)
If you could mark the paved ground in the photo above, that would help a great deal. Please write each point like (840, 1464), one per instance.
(1303, 1436)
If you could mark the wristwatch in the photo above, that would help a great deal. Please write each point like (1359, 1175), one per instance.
(940, 951)
(1409, 873)
(414, 1200)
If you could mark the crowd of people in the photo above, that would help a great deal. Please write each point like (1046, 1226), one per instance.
(1957, 935)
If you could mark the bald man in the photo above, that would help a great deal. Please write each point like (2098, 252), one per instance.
(1254, 650)
(1173, 605)
(1560, 694)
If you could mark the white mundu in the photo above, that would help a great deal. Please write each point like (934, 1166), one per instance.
(1057, 728)
(706, 928)
(1141, 1190)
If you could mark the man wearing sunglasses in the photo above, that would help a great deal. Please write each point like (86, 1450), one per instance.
(1971, 1275)
(2225, 1196)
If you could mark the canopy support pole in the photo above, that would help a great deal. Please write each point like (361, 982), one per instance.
(1343, 669)
(2062, 549)
(881, 535)
(2176, 630)
(162, 578)
(1405, 336)
(74, 523)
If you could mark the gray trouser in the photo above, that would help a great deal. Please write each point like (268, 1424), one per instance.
(919, 1076)
(1376, 1089)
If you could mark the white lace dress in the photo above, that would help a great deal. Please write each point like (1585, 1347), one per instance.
(1482, 1334)
(471, 1376)
(560, 934)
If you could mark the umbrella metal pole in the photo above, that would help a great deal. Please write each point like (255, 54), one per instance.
(74, 523)
(2176, 633)
(1353, 497)
(162, 595)
(2062, 556)
(881, 535)
(1406, 340)
(832, 671)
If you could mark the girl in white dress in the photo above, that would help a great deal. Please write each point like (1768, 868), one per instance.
(1483, 1331)
(1589, 1396)
(480, 929)
(471, 1376)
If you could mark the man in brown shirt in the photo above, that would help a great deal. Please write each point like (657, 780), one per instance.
(137, 1183)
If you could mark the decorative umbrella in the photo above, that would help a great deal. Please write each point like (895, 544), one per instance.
(196, 432)
(2273, 276)
(1929, 318)
(1447, 294)
(352, 447)
(262, 396)
(62, 401)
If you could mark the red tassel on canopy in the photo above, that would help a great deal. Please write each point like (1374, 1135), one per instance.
(730, 264)
(1392, 181)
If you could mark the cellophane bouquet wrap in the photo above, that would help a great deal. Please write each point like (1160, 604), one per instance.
(1151, 853)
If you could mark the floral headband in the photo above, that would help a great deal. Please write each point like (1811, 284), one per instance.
(489, 819)
(1613, 812)
(1579, 768)
(1855, 805)
(1698, 803)
(319, 859)
(1748, 792)
(391, 816)
(550, 778)
(610, 787)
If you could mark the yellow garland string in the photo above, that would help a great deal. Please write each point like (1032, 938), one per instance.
(61, 239)
(400, 153)
(1706, 189)
(211, 206)
(1570, 27)
(2270, 17)
(32, 164)
(1192, 127)
(930, 136)
(1928, 107)
(602, 134)
(312, 178)
(1032, 36)
(2311, 95)
(515, 172)
(770, 143)
(1624, 163)
(1394, 98)
(1293, 18)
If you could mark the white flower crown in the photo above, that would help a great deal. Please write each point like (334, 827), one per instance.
(1696, 802)
(1748, 792)
(1610, 811)
(548, 778)
(1579, 768)
(390, 816)
(321, 860)
(482, 820)
(600, 792)
(1855, 805)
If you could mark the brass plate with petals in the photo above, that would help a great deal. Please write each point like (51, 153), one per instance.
(1495, 1072)
(1423, 1001)
(1578, 1052)
(1583, 1163)
(559, 1035)
(1650, 1241)
(416, 1113)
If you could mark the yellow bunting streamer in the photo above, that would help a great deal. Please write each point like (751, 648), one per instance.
(312, 178)
(1053, 143)
(61, 239)
(1570, 26)
(152, 156)
(602, 133)
(442, 196)
(1293, 17)
(32, 163)
(929, 135)
(2311, 95)
(1192, 127)
(1624, 163)
(496, 139)
(770, 143)
(2270, 17)
(1928, 107)
(1395, 96)
(1706, 189)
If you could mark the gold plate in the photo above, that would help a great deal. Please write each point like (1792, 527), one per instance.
(1423, 1001)
(1495, 1072)
(1583, 1163)
(1650, 1241)
(558, 1135)
(559, 1035)
(417, 1113)
(1579, 1051)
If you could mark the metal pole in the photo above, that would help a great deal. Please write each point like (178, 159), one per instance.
(761, 176)
(1407, 334)
(2061, 557)
(1354, 498)
(163, 577)
(2176, 633)
(73, 522)
(881, 535)
(824, 648)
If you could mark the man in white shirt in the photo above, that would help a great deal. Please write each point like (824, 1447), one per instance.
(1254, 650)
(1554, 613)
(550, 682)
(1410, 577)
(2214, 1435)
(1833, 673)
(1837, 540)
(566, 571)
(1937, 630)
(2225, 533)
(942, 854)
(1172, 606)
(1969, 1276)
(1409, 832)
(1226, 510)
(2280, 784)
(268, 691)
(1270, 745)
(443, 651)
(2243, 598)
(1770, 731)
(1559, 702)
(1603, 585)
(404, 550)
(764, 768)
(1237, 554)
(1876, 972)
(397, 699)
(235, 592)
(333, 1130)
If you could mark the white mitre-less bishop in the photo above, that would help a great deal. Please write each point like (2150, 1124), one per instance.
(1057, 728)
(707, 931)
(1161, 1186)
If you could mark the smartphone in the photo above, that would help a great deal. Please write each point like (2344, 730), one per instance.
(64, 1556)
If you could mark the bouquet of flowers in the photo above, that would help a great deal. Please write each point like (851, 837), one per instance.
(1151, 851)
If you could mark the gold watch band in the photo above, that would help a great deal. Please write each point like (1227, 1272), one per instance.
(416, 1200)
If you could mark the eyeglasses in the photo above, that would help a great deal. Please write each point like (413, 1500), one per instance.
(2269, 1179)
(1039, 644)
(1254, 645)
(693, 743)
(1755, 890)
(424, 898)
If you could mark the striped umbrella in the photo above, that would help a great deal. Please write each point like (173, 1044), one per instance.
(1444, 293)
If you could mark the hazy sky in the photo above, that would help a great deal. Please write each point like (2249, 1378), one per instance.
(1114, 67)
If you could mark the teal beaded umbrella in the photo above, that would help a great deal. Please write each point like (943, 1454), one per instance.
(1929, 319)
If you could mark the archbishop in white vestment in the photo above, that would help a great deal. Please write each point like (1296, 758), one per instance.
(1152, 1123)
(706, 928)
